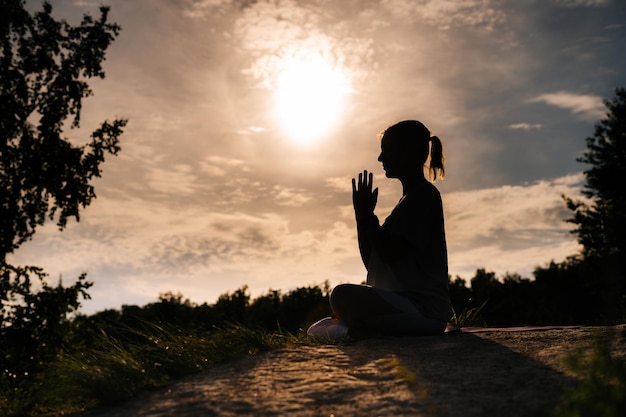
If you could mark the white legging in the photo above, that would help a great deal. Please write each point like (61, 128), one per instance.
(381, 311)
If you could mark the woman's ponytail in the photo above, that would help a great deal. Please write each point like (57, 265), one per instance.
(436, 166)
(414, 138)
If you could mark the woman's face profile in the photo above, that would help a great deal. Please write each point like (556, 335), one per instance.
(395, 161)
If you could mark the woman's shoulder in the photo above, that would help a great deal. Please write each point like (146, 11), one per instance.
(423, 189)
(425, 198)
(431, 187)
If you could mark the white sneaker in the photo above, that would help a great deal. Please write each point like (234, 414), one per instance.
(328, 328)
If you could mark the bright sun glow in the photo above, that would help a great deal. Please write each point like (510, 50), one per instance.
(309, 98)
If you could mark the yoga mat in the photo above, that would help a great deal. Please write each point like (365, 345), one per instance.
(455, 330)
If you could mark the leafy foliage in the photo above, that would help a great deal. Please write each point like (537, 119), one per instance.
(601, 391)
(112, 355)
(586, 288)
(558, 294)
(44, 65)
(601, 224)
(292, 312)
(38, 320)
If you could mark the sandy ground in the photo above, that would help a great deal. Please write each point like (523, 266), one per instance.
(477, 374)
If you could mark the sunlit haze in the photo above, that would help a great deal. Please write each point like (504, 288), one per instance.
(310, 94)
(248, 119)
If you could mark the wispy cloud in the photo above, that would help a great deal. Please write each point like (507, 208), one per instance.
(588, 106)
(511, 227)
(177, 180)
(446, 14)
(197, 9)
(582, 3)
(273, 32)
(339, 184)
(146, 249)
(525, 126)
(150, 248)
(220, 166)
(287, 196)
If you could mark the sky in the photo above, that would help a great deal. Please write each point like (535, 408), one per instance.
(248, 119)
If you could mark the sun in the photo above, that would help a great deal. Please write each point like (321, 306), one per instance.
(309, 98)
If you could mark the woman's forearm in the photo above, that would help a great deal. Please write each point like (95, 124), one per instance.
(366, 226)
(372, 236)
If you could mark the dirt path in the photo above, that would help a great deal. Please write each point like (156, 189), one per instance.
(481, 374)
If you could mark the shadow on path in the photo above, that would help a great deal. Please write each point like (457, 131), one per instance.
(472, 375)
(486, 374)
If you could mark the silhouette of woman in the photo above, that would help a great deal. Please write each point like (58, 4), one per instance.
(406, 258)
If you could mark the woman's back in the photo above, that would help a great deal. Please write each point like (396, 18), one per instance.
(420, 270)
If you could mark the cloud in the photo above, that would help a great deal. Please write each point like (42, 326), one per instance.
(144, 249)
(177, 180)
(220, 166)
(251, 130)
(339, 184)
(446, 14)
(526, 126)
(275, 32)
(286, 196)
(590, 107)
(514, 228)
(137, 249)
(582, 3)
(198, 9)
(85, 3)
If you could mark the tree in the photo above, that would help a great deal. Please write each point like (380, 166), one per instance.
(44, 65)
(601, 222)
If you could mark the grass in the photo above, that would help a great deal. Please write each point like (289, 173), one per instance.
(413, 383)
(118, 368)
(468, 317)
(601, 389)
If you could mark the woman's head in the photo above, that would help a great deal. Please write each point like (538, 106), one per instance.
(405, 149)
